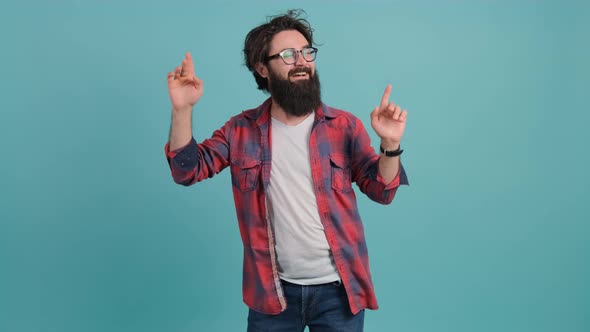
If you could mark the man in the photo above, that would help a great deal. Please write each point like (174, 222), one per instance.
(292, 161)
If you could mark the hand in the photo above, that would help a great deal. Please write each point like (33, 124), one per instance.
(388, 121)
(184, 88)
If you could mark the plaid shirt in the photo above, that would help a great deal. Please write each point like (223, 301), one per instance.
(340, 153)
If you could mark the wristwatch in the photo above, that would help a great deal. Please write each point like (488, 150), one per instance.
(393, 153)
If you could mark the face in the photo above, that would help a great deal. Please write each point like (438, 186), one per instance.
(295, 87)
(281, 41)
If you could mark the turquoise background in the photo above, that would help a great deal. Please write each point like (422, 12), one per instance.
(492, 235)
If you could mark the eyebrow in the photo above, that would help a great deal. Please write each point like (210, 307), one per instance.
(294, 48)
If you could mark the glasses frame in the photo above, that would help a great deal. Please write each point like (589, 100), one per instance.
(296, 55)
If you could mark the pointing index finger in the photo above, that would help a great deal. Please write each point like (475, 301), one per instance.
(190, 67)
(385, 98)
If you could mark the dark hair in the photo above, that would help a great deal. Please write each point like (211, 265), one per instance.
(258, 39)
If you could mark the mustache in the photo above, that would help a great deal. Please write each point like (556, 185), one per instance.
(295, 71)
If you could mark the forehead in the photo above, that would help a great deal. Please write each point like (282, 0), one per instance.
(287, 39)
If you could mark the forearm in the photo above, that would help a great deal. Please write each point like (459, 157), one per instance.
(389, 166)
(180, 128)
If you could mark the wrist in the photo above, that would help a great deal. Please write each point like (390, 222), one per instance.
(184, 109)
(182, 117)
(391, 153)
(390, 145)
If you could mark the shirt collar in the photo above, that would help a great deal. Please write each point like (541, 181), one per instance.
(262, 113)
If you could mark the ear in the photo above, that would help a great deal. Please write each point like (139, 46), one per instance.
(261, 70)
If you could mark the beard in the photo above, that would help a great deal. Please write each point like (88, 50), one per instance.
(296, 98)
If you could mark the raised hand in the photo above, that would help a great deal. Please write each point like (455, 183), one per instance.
(184, 88)
(389, 121)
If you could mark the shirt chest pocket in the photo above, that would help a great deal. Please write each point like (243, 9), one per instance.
(341, 173)
(245, 171)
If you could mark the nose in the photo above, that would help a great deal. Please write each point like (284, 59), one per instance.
(300, 61)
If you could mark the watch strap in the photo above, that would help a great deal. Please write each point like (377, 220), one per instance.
(393, 153)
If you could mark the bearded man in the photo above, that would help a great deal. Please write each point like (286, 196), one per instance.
(293, 160)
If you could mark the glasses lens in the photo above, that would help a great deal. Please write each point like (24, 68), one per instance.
(288, 56)
(309, 53)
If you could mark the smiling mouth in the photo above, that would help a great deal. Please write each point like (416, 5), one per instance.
(300, 76)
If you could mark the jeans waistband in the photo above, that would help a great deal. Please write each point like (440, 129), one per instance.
(333, 283)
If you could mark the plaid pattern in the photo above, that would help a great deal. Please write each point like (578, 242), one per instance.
(340, 153)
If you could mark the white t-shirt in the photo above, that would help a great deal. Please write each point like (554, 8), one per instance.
(302, 249)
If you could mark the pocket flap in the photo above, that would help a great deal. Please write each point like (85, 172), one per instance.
(340, 160)
(245, 162)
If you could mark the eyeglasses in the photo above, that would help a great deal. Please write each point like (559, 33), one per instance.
(291, 55)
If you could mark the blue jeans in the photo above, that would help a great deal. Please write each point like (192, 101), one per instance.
(324, 308)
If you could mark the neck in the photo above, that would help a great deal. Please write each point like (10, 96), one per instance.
(277, 112)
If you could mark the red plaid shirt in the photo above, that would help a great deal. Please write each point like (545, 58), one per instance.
(340, 153)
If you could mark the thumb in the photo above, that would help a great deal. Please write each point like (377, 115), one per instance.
(375, 114)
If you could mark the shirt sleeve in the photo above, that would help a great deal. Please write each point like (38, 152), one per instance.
(365, 168)
(195, 162)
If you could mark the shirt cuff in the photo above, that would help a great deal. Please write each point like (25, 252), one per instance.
(185, 157)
